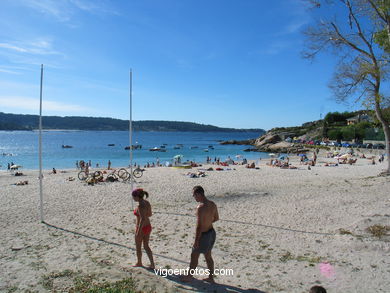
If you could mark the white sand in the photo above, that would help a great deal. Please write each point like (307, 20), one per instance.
(277, 227)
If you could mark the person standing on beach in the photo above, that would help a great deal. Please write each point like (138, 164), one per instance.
(206, 214)
(143, 226)
(109, 165)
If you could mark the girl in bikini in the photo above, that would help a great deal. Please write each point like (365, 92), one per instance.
(143, 227)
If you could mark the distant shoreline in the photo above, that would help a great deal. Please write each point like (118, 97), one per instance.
(25, 122)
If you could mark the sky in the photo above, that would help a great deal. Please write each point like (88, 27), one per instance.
(229, 63)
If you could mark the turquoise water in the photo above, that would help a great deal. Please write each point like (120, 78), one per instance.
(93, 145)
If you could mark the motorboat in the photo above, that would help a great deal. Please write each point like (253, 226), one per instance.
(155, 149)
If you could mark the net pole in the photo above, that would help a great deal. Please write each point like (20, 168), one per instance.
(131, 136)
(40, 151)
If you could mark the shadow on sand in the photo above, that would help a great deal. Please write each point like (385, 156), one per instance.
(196, 285)
(202, 286)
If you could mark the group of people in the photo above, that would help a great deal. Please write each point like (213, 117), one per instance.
(204, 239)
(206, 213)
(82, 165)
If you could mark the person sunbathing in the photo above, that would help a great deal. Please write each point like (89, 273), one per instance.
(21, 183)
(251, 166)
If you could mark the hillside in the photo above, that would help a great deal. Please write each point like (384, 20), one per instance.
(30, 122)
(347, 126)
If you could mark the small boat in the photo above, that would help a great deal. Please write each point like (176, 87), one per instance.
(210, 147)
(155, 149)
(206, 150)
(111, 144)
(65, 146)
(162, 146)
(134, 147)
(193, 147)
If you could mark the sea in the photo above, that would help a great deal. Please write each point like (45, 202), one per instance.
(21, 147)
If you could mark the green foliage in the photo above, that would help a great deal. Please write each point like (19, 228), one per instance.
(348, 133)
(123, 286)
(333, 117)
(374, 134)
(382, 39)
(335, 134)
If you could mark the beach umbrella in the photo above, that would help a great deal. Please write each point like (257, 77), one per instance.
(283, 157)
(238, 156)
(15, 167)
(302, 155)
(178, 156)
(272, 155)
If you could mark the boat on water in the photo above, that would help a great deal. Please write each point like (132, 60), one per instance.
(66, 146)
(193, 147)
(206, 150)
(155, 149)
(111, 144)
(134, 147)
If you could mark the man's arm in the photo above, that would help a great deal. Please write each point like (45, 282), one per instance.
(216, 215)
(198, 227)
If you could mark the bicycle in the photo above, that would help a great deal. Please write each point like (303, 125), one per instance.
(138, 172)
(91, 178)
(125, 175)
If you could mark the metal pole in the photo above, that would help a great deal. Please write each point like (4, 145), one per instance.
(40, 150)
(131, 135)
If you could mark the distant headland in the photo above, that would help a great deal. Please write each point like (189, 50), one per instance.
(31, 122)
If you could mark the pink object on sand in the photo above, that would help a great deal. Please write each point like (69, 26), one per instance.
(327, 270)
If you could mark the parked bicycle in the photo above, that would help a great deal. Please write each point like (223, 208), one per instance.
(91, 177)
(115, 175)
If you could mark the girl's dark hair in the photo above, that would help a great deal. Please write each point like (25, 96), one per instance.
(317, 289)
(139, 192)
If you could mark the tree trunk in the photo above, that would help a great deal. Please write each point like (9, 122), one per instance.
(386, 130)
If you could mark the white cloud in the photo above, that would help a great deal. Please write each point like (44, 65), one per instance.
(275, 47)
(28, 103)
(63, 10)
(12, 47)
(38, 47)
(296, 25)
(57, 8)
(8, 71)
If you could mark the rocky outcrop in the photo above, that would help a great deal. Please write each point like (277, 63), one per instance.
(266, 140)
(239, 142)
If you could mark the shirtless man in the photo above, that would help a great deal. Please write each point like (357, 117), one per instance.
(206, 214)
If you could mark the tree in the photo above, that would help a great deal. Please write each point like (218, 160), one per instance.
(363, 65)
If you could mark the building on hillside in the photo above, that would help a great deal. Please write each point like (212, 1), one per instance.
(359, 118)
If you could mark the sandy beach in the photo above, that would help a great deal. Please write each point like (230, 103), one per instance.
(281, 230)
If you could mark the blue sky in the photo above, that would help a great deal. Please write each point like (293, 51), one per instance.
(230, 63)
